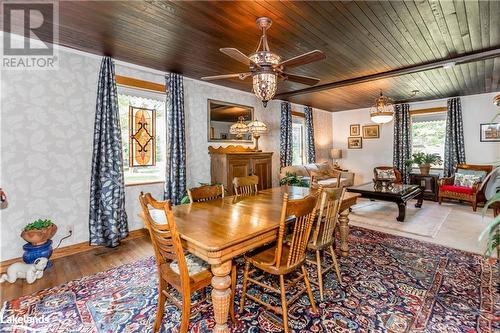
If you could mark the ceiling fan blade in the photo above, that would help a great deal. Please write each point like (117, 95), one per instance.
(241, 76)
(238, 55)
(310, 81)
(303, 59)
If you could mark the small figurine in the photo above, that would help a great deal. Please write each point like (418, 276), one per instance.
(30, 272)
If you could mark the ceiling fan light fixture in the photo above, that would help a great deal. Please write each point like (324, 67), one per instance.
(264, 86)
(382, 111)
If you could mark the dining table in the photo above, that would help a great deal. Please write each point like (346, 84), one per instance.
(222, 229)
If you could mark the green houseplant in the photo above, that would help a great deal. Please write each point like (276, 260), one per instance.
(293, 179)
(424, 161)
(39, 232)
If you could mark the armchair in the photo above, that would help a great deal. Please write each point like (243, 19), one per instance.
(449, 189)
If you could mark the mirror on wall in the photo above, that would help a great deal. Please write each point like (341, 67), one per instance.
(222, 115)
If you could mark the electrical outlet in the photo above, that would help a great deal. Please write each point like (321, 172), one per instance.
(69, 230)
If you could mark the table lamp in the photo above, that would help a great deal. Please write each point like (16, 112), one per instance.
(336, 154)
(257, 128)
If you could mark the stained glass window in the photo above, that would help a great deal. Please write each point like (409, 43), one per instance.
(142, 131)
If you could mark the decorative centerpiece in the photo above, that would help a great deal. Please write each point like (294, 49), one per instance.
(383, 184)
(38, 236)
(292, 179)
(424, 161)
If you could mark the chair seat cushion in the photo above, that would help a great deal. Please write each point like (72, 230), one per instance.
(195, 265)
(457, 189)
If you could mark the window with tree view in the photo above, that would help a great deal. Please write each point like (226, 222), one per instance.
(137, 107)
(298, 140)
(428, 133)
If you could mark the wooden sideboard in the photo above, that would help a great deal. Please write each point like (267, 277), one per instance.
(225, 165)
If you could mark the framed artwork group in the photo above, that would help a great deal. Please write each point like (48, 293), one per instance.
(355, 140)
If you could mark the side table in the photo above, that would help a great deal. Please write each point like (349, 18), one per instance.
(429, 183)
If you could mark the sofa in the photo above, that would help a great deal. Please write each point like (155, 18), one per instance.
(316, 172)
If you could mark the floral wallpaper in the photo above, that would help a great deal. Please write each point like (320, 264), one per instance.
(47, 120)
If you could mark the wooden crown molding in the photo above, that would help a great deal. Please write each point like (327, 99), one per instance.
(428, 110)
(140, 84)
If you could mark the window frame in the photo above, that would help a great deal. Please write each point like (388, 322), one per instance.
(303, 143)
(147, 86)
(422, 112)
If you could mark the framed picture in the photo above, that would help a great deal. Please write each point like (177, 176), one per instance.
(371, 132)
(354, 142)
(354, 130)
(490, 132)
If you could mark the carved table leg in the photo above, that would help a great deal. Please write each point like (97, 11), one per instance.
(221, 295)
(344, 232)
(402, 211)
(420, 199)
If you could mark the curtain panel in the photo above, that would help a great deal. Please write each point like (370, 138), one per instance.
(286, 134)
(402, 140)
(454, 146)
(175, 185)
(107, 216)
(311, 149)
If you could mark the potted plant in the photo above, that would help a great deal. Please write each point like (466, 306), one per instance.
(424, 161)
(39, 232)
(293, 180)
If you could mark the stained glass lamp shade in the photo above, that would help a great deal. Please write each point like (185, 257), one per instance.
(239, 128)
(383, 110)
(257, 128)
(265, 80)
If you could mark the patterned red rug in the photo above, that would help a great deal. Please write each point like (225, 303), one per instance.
(391, 284)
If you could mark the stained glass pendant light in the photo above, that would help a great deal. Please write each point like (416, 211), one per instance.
(239, 128)
(382, 111)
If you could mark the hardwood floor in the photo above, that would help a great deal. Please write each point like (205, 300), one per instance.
(79, 265)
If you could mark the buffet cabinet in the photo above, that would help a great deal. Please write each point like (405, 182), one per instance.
(224, 166)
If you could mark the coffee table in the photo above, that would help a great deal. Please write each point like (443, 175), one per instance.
(399, 194)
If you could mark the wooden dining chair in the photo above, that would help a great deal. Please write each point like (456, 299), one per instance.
(323, 235)
(206, 193)
(285, 258)
(246, 185)
(185, 273)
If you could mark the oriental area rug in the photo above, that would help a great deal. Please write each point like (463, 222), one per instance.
(390, 284)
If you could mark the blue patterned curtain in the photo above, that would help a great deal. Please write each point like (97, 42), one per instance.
(175, 186)
(286, 134)
(107, 217)
(402, 140)
(454, 147)
(311, 149)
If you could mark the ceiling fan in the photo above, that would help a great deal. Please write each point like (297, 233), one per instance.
(266, 67)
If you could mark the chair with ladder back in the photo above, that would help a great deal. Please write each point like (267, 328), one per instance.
(285, 257)
(205, 193)
(185, 273)
(246, 185)
(323, 234)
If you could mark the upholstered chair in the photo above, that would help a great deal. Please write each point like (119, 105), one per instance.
(465, 185)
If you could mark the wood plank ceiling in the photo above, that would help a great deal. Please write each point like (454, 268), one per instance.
(358, 37)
